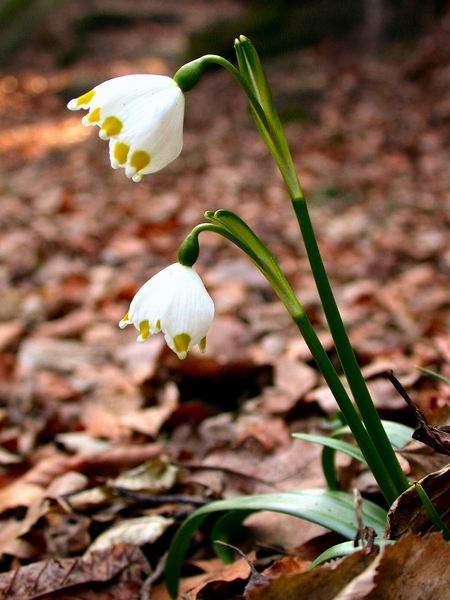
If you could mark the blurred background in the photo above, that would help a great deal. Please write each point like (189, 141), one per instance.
(363, 87)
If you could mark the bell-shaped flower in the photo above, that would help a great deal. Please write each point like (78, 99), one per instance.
(175, 302)
(142, 116)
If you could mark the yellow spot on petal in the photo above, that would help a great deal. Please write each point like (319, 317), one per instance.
(144, 329)
(94, 115)
(111, 126)
(139, 159)
(85, 98)
(158, 324)
(181, 342)
(120, 152)
(202, 344)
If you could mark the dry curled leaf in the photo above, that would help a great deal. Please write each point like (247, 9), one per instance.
(43, 579)
(139, 531)
(292, 582)
(408, 514)
(437, 438)
(155, 476)
(413, 567)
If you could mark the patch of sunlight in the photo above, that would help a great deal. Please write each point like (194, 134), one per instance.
(37, 138)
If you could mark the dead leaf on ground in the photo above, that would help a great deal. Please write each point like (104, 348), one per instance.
(154, 477)
(322, 583)
(222, 584)
(413, 567)
(139, 531)
(408, 514)
(45, 578)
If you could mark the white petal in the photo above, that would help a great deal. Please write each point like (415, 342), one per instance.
(142, 112)
(156, 128)
(191, 311)
(175, 301)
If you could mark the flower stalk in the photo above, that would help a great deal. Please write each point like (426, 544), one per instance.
(142, 117)
(344, 348)
(249, 63)
(237, 231)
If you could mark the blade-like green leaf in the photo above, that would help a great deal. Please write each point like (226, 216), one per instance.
(399, 435)
(250, 66)
(434, 374)
(331, 442)
(343, 549)
(329, 468)
(432, 512)
(225, 529)
(333, 510)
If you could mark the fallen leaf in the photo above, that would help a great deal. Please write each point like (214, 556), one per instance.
(322, 583)
(437, 438)
(413, 567)
(223, 583)
(139, 531)
(47, 577)
(155, 476)
(408, 514)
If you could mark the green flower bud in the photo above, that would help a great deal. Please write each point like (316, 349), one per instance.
(190, 74)
(189, 250)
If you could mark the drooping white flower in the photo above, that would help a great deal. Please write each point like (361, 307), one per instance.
(142, 116)
(175, 302)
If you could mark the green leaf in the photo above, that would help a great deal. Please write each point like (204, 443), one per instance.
(331, 442)
(434, 374)
(225, 529)
(431, 511)
(329, 468)
(331, 509)
(343, 549)
(399, 435)
(251, 68)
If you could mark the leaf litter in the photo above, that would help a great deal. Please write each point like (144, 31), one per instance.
(98, 434)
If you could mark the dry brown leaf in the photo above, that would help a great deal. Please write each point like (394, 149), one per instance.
(66, 534)
(43, 579)
(294, 377)
(322, 583)
(413, 567)
(155, 477)
(150, 420)
(221, 584)
(12, 529)
(421, 459)
(139, 531)
(10, 334)
(408, 514)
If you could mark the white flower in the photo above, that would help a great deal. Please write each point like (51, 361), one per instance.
(142, 116)
(175, 302)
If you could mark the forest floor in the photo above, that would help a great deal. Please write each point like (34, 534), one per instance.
(82, 404)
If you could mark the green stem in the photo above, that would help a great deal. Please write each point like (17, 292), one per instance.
(244, 238)
(345, 351)
(360, 392)
(274, 138)
(367, 445)
(387, 470)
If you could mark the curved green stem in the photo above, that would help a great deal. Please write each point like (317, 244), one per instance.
(233, 228)
(371, 437)
(272, 132)
(344, 349)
